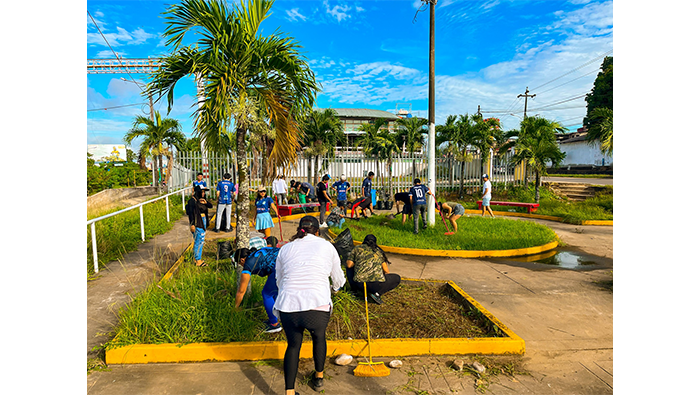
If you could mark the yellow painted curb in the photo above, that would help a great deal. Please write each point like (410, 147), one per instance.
(251, 351)
(464, 253)
(538, 216)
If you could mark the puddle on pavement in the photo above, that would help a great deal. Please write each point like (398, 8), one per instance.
(562, 257)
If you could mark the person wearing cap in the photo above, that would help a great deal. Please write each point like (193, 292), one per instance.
(279, 188)
(323, 199)
(341, 187)
(197, 210)
(224, 196)
(418, 196)
(304, 266)
(486, 196)
(262, 218)
(367, 263)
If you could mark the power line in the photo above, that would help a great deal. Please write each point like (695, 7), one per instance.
(110, 108)
(579, 67)
(110, 47)
(589, 73)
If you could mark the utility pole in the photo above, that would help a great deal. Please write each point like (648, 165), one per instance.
(431, 117)
(526, 96)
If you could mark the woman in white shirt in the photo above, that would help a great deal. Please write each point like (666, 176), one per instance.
(304, 297)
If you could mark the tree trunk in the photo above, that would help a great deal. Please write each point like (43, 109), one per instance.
(160, 172)
(308, 169)
(316, 169)
(170, 166)
(243, 202)
(537, 186)
(391, 183)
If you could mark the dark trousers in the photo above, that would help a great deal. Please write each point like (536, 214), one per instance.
(419, 208)
(391, 281)
(294, 325)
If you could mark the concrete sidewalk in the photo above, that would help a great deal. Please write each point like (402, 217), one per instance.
(564, 316)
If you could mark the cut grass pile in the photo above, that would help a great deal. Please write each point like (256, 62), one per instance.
(475, 233)
(197, 305)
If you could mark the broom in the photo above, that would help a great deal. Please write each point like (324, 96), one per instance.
(281, 242)
(370, 369)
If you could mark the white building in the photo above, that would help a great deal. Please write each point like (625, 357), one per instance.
(579, 152)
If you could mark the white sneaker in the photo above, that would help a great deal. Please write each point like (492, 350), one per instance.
(324, 225)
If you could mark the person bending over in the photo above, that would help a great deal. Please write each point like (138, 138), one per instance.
(406, 210)
(363, 203)
(260, 263)
(367, 263)
(452, 211)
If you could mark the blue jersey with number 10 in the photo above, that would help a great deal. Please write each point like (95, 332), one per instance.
(419, 193)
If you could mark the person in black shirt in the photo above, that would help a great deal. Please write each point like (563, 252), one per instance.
(323, 199)
(197, 210)
(407, 209)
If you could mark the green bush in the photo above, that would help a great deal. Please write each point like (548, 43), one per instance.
(108, 176)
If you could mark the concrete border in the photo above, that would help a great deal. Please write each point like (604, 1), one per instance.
(251, 351)
(538, 216)
(465, 253)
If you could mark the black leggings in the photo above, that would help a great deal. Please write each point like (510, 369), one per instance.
(294, 324)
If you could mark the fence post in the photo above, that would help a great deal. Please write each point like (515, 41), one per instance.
(94, 247)
(167, 209)
(143, 235)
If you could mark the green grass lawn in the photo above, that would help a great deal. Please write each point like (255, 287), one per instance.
(474, 233)
(574, 212)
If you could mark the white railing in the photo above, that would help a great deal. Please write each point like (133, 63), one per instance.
(92, 222)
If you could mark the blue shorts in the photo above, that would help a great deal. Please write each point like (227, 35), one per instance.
(485, 201)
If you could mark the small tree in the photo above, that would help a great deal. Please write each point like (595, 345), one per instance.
(410, 134)
(322, 131)
(537, 145)
(158, 136)
(601, 129)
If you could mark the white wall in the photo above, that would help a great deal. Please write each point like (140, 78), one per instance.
(581, 153)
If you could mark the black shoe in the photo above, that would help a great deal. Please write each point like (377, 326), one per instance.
(216, 230)
(229, 230)
(377, 299)
(317, 383)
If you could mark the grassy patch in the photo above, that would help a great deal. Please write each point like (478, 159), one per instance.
(118, 235)
(474, 233)
(197, 305)
(599, 207)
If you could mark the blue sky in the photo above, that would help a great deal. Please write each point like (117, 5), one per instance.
(374, 54)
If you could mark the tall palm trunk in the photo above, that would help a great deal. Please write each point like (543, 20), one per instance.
(160, 172)
(243, 202)
(537, 186)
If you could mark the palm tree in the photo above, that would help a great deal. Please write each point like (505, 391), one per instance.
(369, 141)
(387, 145)
(323, 130)
(410, 133)
(601, 129)
(484, 134)
(446, 134)
(158, 136)
(240, 72)
(537, 145)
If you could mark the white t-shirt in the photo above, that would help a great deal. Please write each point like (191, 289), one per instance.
(487, 185)
(303, 267)
(279, 186)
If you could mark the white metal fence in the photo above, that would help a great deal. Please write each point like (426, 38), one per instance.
(390, 176)
(91, 223)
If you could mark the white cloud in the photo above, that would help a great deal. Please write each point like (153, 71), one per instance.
(121, 37)
(294, 15)
(339, 12)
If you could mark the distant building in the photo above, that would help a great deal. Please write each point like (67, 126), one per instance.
(579, 152)
(352, 118)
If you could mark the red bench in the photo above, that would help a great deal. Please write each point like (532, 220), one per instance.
(286, 209)
(531, 207)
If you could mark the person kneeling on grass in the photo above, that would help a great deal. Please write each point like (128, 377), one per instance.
(367, 263)
(260, 263)
(337, 217)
